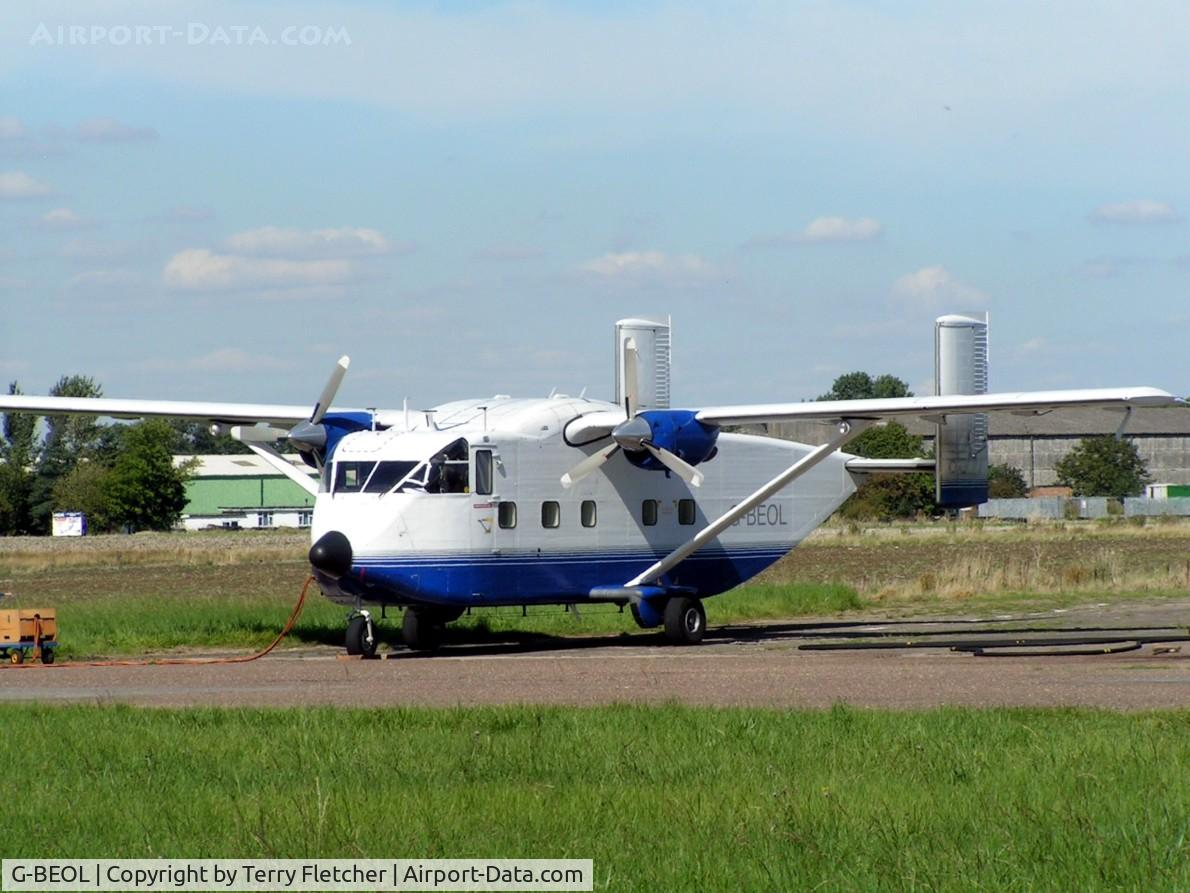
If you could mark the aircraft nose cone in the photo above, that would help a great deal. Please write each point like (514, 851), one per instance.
(332, 554)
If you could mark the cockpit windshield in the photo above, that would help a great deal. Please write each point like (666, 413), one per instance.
(447, 471)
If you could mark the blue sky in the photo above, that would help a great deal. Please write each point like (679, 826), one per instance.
(215, 200)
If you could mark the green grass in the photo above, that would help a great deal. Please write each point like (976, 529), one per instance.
(661, 798)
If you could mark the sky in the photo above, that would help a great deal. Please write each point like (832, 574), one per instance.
(214, 201)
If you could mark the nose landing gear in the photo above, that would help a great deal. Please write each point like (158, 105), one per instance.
(361, 637)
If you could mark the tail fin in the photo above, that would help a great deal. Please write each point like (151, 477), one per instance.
(961, 447)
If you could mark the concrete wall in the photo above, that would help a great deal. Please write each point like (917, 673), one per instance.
(1167, 458)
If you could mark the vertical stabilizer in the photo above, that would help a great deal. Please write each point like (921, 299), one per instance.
(652, 346)
(961, 447)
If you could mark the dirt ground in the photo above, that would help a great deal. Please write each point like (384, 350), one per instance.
(760, 666)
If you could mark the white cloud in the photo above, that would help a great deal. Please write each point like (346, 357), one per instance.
(18, 184)
(274, 241)
(64, 219)
(201, 270)
(841, 229)
(109, 130)
(936, 288)
(1033, 345)
(824, 229)
(648, 263)
(11, 129)
(1140, 211)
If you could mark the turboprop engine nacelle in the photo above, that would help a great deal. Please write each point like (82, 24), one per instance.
(675, 430)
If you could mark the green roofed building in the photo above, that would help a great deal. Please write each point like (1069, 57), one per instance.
(244, 491)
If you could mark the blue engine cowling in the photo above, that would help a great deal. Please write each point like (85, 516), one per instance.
(678, 431)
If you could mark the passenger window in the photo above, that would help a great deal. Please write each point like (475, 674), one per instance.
(551, 514)
(483, 472)
(587, 513)
(506, 515)
(350, 476)
(648, 512)
(686, 512)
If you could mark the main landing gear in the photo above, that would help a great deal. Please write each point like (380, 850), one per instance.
(682, 616)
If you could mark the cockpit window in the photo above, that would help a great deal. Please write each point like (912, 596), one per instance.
(350, 476)
(387, 475)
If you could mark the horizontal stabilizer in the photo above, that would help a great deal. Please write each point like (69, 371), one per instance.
(889, 466)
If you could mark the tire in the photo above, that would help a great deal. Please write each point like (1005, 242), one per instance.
(685, 620)
(358, 640)
(47, 656)
(636, 616)
(422, 629)
(17, 656)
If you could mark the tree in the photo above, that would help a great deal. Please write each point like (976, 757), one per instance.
(861, 386)
(67, 439)
(1006, 482)
(144, 489)
(195, 438)
(1103, 466)
(16, 478)
(884, 496)
(84, 489)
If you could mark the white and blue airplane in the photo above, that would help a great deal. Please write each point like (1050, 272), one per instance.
(571, 500)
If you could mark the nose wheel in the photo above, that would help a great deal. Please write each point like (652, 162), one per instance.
(361, 637)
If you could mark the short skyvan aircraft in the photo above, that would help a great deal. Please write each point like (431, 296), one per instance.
(572, 500)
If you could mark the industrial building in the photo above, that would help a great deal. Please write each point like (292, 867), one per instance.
(244, 492)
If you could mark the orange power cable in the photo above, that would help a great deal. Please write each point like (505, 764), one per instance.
(168, 661)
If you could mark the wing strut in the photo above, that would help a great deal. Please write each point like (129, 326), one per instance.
(848, 430)
(284, 466)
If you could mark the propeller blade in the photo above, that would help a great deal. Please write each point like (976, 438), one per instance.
(684, 470)
(631, 395)
(328, 392)
(592, 463)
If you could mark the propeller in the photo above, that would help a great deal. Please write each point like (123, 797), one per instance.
(310, 436)
(633, 434)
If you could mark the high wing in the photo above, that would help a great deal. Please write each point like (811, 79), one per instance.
(228, 413)
(1023, 402)
(256, 425)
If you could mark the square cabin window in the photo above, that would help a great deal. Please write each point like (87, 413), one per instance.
(648, 512)
(686, 512)
(506, 515)
(551, 514)
(587, 513)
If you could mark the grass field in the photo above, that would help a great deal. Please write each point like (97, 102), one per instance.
(132, 595)
(662, 799)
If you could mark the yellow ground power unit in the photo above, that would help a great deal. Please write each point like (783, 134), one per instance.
(28, 633)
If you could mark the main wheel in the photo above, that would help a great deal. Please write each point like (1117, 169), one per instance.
(422, 629)
(636, 616)
(361, 639)
(47, 655)
(685, 620)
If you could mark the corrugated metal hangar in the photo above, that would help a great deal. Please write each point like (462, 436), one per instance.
(244, 491)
